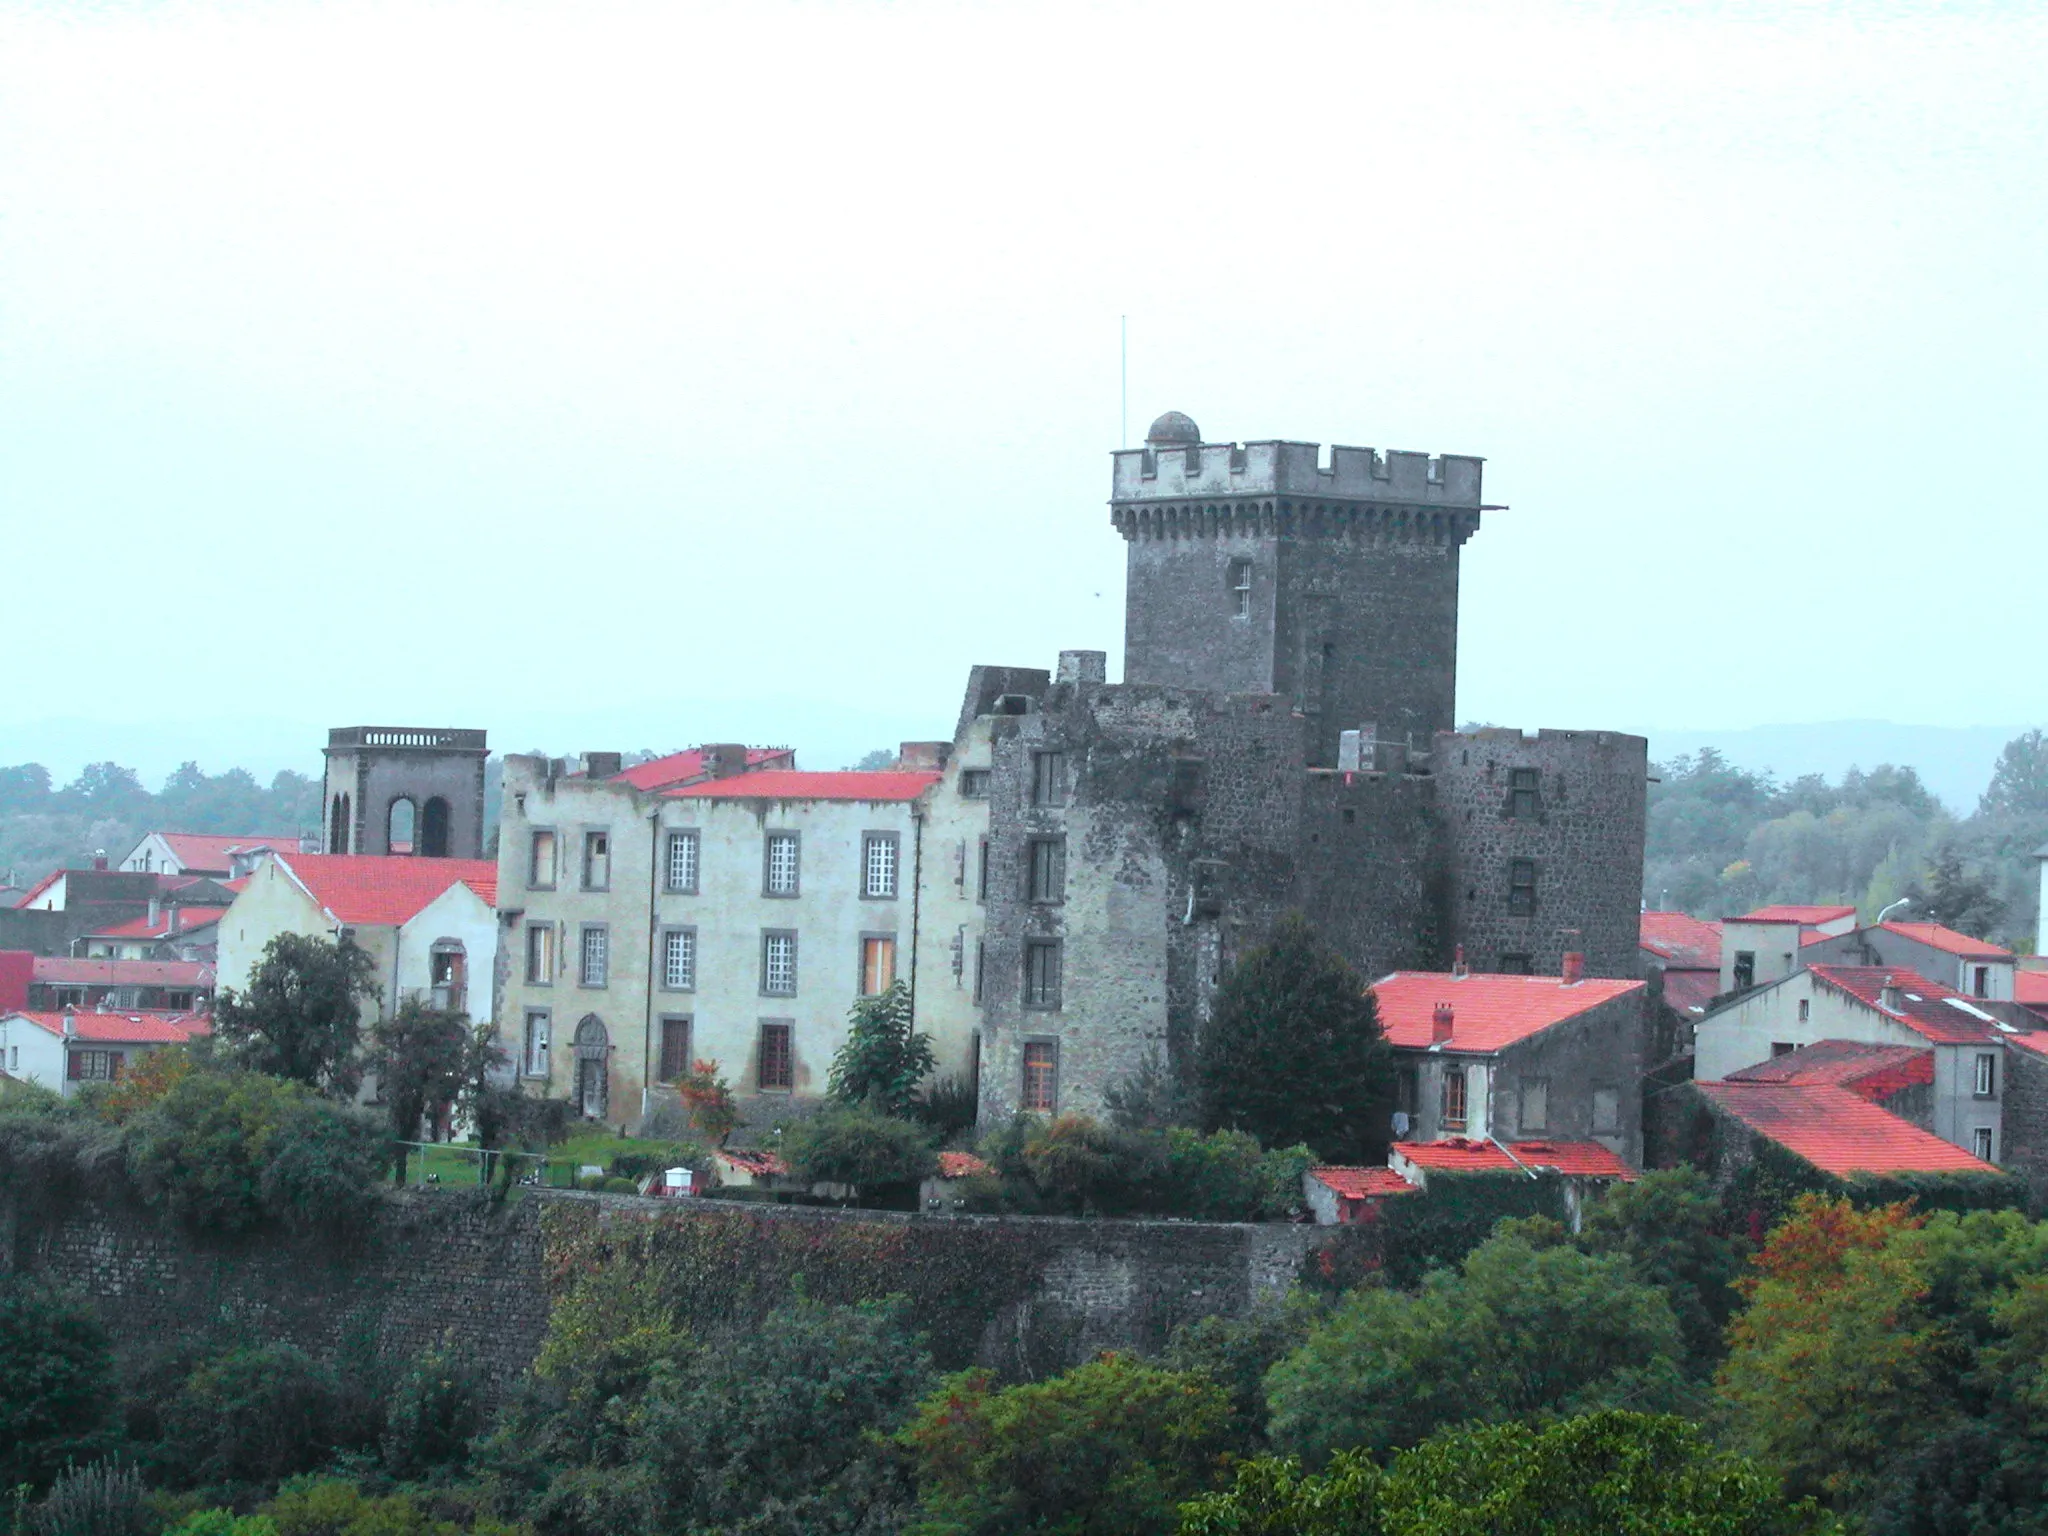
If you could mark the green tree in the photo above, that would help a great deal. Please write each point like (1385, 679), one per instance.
(253, 1415)
(1237, 1350)
(1292, 1051)
(1110, 1447)
(1957, 896)
(857, 1144)
(1611, 1473)
(1671, 1228)
(1516, 1330)
(2019, 784)
(59, 1371)
(883, 1058)
(301, 1017)
(775, 1431)
(422, 1059)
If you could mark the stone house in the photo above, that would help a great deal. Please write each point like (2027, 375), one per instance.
(1976, 968)
(1516, 1058)
(1685, 951)
(1337, 1196)
(65, 1049)
(1826, 1125)
(734, 918)
(1764, 946)
(429, 924)
(1587, 1169)
(1970, 1044)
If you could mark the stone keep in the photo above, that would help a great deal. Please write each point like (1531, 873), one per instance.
(435, 772)
(1273, 604)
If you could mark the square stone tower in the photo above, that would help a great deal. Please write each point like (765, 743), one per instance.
(1269, 568)
(405, 789)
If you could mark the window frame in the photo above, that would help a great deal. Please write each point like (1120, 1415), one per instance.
(545, 931)
(590, 836)
(786, 1030)
(1525, 794)
(604, 946)
(870, 841)
(546, 1036)
(1521, 893)
(554, 842)
(1616, 1128)
(1033, 992)
(1454, 1100)
(1540, 1126)
(672, 838)
(974, 783)
(1056, 848)
(1237, 581)
(1980, 1136)
(1984, 1080)
(769, 839)
(768, 936)
(1027, 1102)
(860, 979)
(687, 932)
(1049, 779)
(981, 872)
(1742, 970)
(664, 1023)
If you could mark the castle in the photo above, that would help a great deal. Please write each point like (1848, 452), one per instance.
(1064, 883)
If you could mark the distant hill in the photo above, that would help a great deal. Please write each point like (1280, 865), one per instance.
(1955, 762)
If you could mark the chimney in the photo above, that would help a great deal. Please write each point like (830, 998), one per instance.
(923, 756)
(156, 909)
(1574, 968)
(724, 759)
(603, 765)
(70, 1025)
(1459, 969)
(1888, 996)
(99, 858)
(1440, 1021)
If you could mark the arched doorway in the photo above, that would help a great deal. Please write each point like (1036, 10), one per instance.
(433, 841)
(338, 826)
(593, 1049)
(400, 822)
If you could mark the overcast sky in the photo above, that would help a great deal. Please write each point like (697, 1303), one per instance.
(631, 375)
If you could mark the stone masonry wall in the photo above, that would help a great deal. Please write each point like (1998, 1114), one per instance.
(439, 1264)
(2024, 1124)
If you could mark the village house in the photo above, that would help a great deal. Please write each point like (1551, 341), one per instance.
(1763, 946)
(1685, 951)
(1517, 1058)
(166, 931)
(57, 982)
(734, 917)
(1976, 968)
(204, 853)
(1827, 1124)
(64, 1049)
(428, 924)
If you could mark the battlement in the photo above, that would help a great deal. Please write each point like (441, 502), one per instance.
(1295, 471)
(403, 737)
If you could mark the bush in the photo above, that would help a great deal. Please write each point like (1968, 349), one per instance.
(658, 1156)
(104, 1499)
(223, 1522)
(1228, 1177)
(1237, 1352)
(616, 1186)
(860, 1145)
(331, 1506)
(226, 1150)
(434, 1412)
(883, 1058)
(253, 1416)
(948, 1106)
(58, 1371)
(51, 1152)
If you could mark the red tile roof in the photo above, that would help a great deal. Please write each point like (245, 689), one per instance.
(791, 784)
(62, 970)
(1836, 1131)
(1873, 1072)
(1691, 991)
(1792, 913)
(679, 767)
(2037, 1041)
(202, 850)
(1459, 1154)
(1489, 1012)
(35, 891)
(385, 889)
(1937, 937)
(961, 1165)
(757, 1163)
(1362, 1183)
(169, 923)
(1682, 940)
(126, 1028)
(1937, 1013)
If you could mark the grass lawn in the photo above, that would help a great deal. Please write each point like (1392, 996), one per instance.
(456, 1163)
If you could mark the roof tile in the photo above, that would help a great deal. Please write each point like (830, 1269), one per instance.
(1836, 1131)
(386, 889)
(793, 784)
(1488, 1012)
(1459, 1154)
(1682, 940)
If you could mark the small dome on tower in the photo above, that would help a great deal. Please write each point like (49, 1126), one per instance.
(1174, 428)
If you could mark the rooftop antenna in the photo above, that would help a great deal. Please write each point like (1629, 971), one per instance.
(1123, 399)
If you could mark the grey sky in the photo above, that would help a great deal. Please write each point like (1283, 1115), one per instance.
(617, 374)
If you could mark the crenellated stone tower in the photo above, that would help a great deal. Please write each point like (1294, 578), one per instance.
(1269, 567)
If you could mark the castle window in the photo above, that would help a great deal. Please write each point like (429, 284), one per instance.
(1522, 784)
(878, 865)
(540, 863)
(675, 1049)
(1241, 586)
(1515, 965)
(1048, 876)
(778, 964)
(1041, 1077)
(1745, 969)
(540, 954)
(980, 967)
(1987, 1077)
(433, 839)
(1042, 973)
(1980, 1143)
(1048, 778)
(679, 959)
(779, 877)
(679, 868)
(399, 818)
(1521, 887)
(534, 1059)
(1454, 1099)
(775, 1070)
(877, 964)
(1535, 1105)
(981, 873)
(597, 861)
(1606, 1111)
(595, 969)
(974, 783)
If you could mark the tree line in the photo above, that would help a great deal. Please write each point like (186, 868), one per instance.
(1723, 840)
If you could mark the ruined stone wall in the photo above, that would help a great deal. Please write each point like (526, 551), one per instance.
(1585, 839)
(438, 1265)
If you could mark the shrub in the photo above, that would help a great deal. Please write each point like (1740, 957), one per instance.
(223, 1522)
(1228, 1177)
(434, 1412)
(658, 1156)
(1084, 1164)
(707, 1099)
(948, 1105)
(332, 1506)
(103, 1499)
(860, 1145)
(617, 1186)
(225, 1150)
(1237, 1352)
(254, 1415)
(58, 1371)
